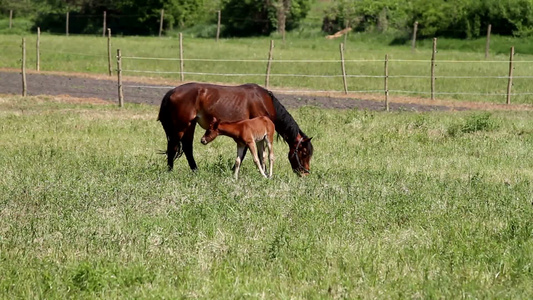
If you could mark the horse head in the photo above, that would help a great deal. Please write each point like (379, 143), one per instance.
(300, 154)
(211, 133)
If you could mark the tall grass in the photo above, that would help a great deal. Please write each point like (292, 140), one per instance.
(397, 206)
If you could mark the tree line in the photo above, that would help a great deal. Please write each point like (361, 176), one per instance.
(451, 18)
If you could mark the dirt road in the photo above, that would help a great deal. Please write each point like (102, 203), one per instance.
(151, 91)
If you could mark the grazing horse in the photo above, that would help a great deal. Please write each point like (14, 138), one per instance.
(247, 134)
(191, 103)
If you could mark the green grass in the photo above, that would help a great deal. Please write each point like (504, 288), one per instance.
(409, 71)
(398, 205)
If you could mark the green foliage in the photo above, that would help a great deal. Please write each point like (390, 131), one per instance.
(454, 18)
(257, 17)
(125, 16)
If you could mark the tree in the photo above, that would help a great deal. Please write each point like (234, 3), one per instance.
(260, 17)
(451, 18)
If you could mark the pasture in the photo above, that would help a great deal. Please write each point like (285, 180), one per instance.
(301, 63)
(398, 205)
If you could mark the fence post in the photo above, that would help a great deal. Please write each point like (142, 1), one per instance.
(24, 87)
(182, 77)
(161, 22)
(413, 41)
(119, 74)
(487, 45)
(386, 82)
(105, 25)
(269, 63)
(510, 82)
(218, 25)
(66, 25)
(10, 18)
(341, 48)
(109, 51)
(433, 68)
(38, 47)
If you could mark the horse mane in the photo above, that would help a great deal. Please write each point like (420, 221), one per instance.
(286, 126)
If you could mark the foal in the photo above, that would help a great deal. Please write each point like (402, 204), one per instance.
(247, 133)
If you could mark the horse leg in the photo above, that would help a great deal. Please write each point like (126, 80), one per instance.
(173, 151)
(253, 150)
(240, 156)
(186, 143)
(270, 157)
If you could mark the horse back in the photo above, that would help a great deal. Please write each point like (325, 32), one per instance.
(204, 102)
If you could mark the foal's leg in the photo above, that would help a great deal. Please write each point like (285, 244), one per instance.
(270, 157)
(261, 153)
(241, 150)
(253, 150)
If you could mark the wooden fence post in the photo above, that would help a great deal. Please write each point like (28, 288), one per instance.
(434, 52)
(413, 41)
(269, 63)
(105, 25)
(119, 74)
(510, 82)
(161, 22)
(24, 87)
(341, 48)
(38, 47)
(218, 25)
(66, 25)
(487, 45)
(182, 76)
(386, 82)
(10, 18)
(109, 51)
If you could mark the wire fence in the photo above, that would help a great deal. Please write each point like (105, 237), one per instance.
(448, 90)
(469, 80)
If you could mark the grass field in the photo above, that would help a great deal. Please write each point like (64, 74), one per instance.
(462, 71)
(398, 205)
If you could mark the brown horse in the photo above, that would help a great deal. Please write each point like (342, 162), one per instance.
(256, 134)
(191, 103)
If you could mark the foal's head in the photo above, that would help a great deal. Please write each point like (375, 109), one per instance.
(211, 133)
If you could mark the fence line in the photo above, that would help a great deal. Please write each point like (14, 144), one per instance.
(351, 91)
(344, 75)
(433, 62)
(320, 60)
(327, 76)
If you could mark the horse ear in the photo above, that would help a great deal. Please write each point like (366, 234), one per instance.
(308, 139)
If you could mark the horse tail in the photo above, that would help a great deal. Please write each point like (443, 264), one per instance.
(165, 118)
(164, 111)
(164, 114)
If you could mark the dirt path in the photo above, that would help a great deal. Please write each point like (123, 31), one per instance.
(151, 91)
